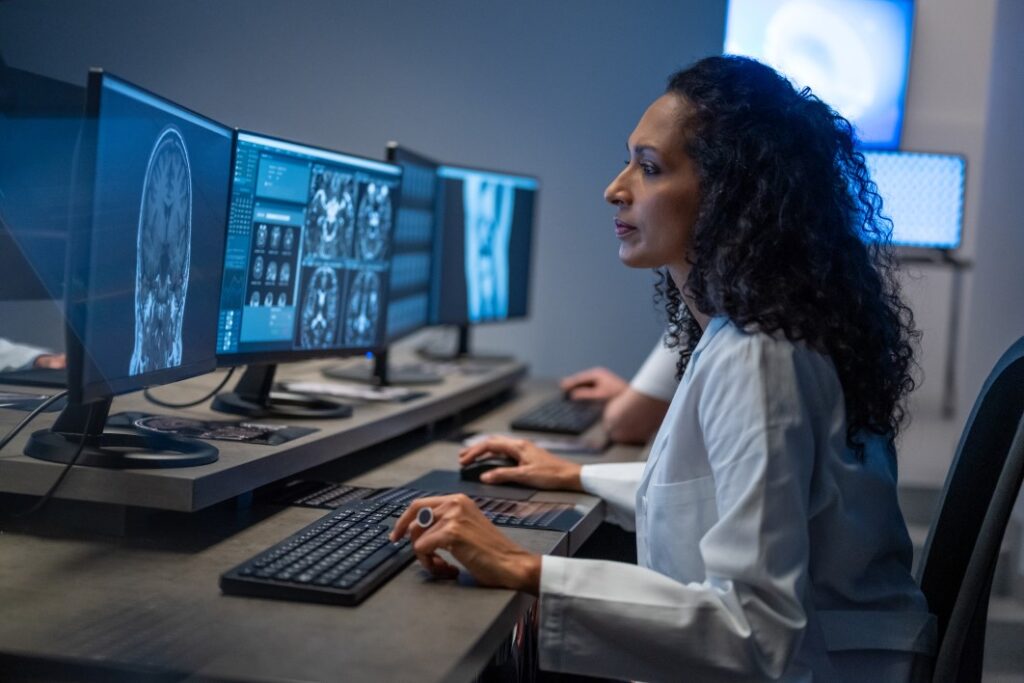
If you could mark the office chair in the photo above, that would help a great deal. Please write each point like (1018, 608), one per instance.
(963, 544)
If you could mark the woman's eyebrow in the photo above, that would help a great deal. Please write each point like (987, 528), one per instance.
(642, 149)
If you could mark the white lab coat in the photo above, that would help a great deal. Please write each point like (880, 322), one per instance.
(766, 548)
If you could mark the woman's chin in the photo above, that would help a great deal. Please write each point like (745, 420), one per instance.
(634, 258)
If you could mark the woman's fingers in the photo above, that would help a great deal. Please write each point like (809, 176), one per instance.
(494, 444)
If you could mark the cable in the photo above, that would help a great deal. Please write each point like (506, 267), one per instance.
(31, 416)
(67, 468)
(164, 404)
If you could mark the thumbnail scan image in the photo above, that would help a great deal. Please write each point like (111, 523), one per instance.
(164, 250)
(374, 221)
(363, 309)
(319, 317)
(331, 214)
(487, 208)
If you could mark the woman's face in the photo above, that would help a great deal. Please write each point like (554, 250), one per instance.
(657, 195)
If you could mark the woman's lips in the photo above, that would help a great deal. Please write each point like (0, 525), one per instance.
(623, 229)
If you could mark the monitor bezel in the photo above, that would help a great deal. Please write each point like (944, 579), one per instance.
(293, 355)
(438, 319)
(79, 260)
(916, 250)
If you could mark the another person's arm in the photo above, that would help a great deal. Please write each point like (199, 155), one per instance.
(14, 356)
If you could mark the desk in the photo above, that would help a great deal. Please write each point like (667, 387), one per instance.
(242, 467)
(148, 602)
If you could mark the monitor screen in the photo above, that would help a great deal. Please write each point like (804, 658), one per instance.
(484, 239)
(923, 194)
(146, 261)
(853, 54)
(40, 122)
(412, 261)
(308, 252)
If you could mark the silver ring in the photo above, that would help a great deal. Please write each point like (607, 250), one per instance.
(425, 517)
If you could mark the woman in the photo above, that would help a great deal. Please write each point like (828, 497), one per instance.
(770, 543)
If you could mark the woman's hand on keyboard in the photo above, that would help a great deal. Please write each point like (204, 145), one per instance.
(460, 528)
(593, 384)
(537, 467)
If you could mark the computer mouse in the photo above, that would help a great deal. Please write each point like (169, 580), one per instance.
(473, 470)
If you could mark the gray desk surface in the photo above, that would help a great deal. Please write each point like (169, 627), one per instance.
(241, 467)
(150, 600)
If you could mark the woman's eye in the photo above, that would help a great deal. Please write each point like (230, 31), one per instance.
(649, 169)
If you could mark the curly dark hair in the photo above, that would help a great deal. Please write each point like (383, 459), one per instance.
(790, 237)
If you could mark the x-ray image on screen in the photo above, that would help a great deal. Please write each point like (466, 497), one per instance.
(487, 207)
(330, 217)
(146, 254)
(374, 221)
(164, 248)
(486, 231)
(321, 297)
(363, 309)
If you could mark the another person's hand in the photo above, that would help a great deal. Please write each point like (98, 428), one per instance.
(537, 467)
(462, 530)
(51, 361)
(594, 384)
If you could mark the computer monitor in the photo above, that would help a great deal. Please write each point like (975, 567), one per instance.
(923, 194)
(40, 121)
(412, 262)
(483, 241)
(853, 54)
(305, 266)
(144, 268)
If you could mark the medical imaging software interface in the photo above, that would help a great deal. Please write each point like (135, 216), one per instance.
(156, 236)
(485, 237)
(308, 249)
(409, 295)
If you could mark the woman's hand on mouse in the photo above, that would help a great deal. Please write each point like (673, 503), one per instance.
(461, 529)
(537, 467)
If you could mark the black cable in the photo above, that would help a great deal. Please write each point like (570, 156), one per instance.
(204, 399)
(31, 416)
(67, 468)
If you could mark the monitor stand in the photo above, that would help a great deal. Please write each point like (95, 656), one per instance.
(383, 374)
(112, 450)
(252, 397)
(462, 352)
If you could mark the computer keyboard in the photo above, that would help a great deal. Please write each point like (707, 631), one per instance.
(340, 559)
(525, 514)
(560, 416)
(343, 557)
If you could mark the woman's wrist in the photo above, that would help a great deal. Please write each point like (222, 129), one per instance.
(573, 477)
(527, 573)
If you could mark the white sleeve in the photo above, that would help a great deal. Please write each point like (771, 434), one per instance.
(16, 356)
(657, 376)
(616, 484)
(745, 619)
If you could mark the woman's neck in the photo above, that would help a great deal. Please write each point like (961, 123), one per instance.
(680, 272)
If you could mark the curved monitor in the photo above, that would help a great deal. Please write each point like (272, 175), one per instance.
(484, 238)
(853, 54)
(145, 253)
(308, 252)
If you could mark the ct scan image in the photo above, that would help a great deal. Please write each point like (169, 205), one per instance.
(374, 221)
(318, 324)
(331, 214)
(363, 309)
(164, 250)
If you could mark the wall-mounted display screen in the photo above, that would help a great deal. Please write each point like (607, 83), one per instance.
(853, 54)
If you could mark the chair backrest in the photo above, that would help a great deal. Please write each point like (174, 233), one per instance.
(963, 544)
